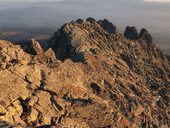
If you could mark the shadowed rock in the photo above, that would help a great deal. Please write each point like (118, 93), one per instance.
(90, 19)
(107, 26)
(79, 21)
(144, 35)
(32, 47)
(131, 33)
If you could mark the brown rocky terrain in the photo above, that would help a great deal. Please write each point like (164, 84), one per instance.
(91, 76)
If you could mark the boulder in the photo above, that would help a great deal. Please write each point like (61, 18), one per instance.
(32, 47)
(48, 57)
(13, 54)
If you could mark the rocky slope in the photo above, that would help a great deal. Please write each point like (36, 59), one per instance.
(92, 76)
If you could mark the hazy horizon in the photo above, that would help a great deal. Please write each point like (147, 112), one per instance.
(151, 14)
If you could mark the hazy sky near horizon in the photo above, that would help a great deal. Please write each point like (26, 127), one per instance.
(81, 0)
(160, 1)
(151, 14)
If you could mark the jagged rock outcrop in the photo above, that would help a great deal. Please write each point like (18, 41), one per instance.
(83, 37)
(107, 26)
(131, 33)
(11, 54)
(48, 57)
(91, 20)
(145, 36)
(102, 80)
(32, 47)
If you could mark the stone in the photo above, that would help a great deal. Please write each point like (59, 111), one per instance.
(90, 19)
(3, 65)
(107, 26)
(32, 47)
(29, 78)
(48, 57)
(91, 76)
(131, 33)
(144, 35)
(79, 21)
(13, 54)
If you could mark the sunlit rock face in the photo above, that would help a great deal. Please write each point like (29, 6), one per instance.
(91, 76)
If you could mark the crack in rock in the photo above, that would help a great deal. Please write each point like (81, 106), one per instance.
(25, 116)
(56, 104)
(77, 100)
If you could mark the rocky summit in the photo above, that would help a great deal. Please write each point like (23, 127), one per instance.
(91, 76)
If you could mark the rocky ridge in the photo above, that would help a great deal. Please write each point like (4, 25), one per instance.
(92, 76)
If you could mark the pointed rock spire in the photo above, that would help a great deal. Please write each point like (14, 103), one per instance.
(131, 33)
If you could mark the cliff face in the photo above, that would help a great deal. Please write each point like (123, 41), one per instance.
(91, 76)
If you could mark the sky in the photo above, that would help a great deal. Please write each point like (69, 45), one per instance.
(158, 1)
(72, 0)
(151, 14)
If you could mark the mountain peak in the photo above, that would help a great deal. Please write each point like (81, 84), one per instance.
(144, 35)
(90, 76)
(82, 36)
(131, 33)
